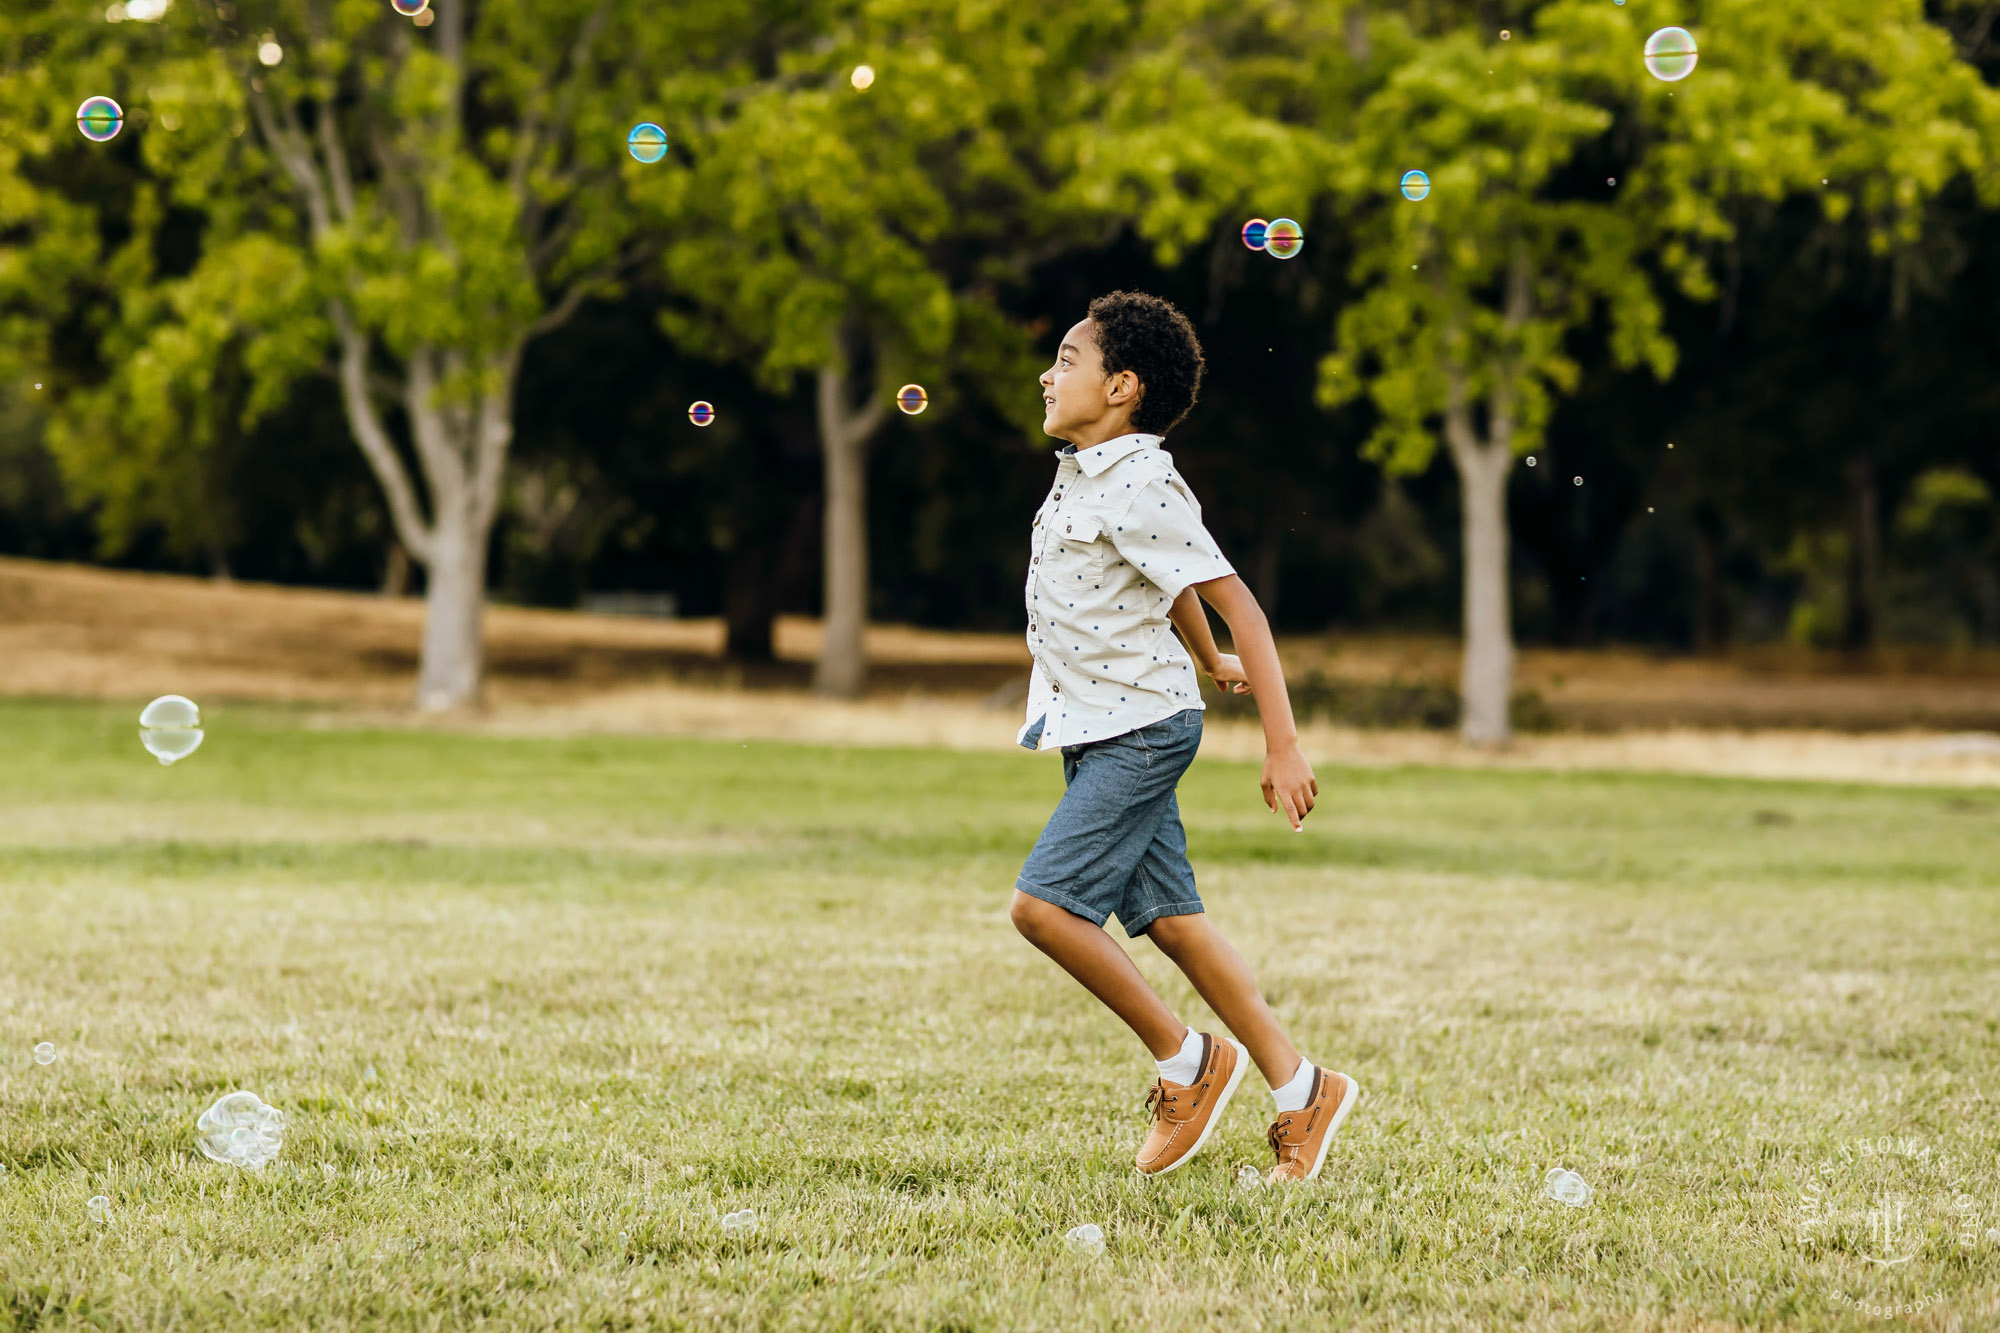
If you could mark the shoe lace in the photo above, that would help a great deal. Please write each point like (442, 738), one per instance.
(1158, 1093)
(1276, 1135)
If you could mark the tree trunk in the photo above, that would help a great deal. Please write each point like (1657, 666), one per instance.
(1863, 559)
(463, 449)
(844, 434)
(1711, 623)
(396, 570)
(1268, 550)
(1486, 684)
(749, 601)
(454, 600)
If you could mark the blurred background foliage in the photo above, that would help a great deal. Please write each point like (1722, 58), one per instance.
(1819, 465)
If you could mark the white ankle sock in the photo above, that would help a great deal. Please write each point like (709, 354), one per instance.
(1292, 1096)
(1185, 1067)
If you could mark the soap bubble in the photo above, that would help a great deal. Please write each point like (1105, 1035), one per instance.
(862, 78)
(739, 1223)
(1670, 54)
(1253, 233)
(1283, 238)
(1416, 185)
(1576, 481)
(647, 142)
(100, 119)
(240, 1130)
(1566, 1186)
(329, 1172)
(1248, 1177)
(270, 53)
(1086, 1239)
(912, 399)
(100, 1208)
(45, 1053)
(1505, 35)
(409, 9)
(701, 412)
(1530, 460)
(170, 728)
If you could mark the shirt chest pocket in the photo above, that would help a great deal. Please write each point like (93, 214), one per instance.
(1081, 541)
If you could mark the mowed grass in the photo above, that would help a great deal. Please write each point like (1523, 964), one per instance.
(542, 1011)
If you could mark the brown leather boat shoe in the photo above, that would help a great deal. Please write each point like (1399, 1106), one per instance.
(1300, 1138)
(1185, 1114)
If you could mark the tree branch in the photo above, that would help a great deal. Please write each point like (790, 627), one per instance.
(373, 438)
(335, 154)
(289, 145)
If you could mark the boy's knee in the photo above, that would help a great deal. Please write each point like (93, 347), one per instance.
(1031, 916)
(1172, 932)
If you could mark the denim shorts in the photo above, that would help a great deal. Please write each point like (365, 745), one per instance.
(1115, 842)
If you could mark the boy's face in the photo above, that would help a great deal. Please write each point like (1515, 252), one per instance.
(1080, 402)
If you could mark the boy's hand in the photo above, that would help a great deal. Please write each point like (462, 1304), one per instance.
(1289, 784)
(1227, 671)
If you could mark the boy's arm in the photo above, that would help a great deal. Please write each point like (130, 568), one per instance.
(1289, 785)
(1191, 619)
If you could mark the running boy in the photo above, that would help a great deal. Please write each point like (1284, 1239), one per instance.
(1118, 551)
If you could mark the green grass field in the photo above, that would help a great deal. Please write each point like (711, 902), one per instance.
(541, 1011)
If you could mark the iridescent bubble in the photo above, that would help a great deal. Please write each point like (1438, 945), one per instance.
(240, 1130)
(170, 728)
(100, 1208)
(912, 399)
(45, 1053)
(1248, 1177)
(739, 1223)
(270, 53)
(1576, 481)
(409, 9)
(1670, 54)
(1530, 460)
(647, 142)
(1416, 185)
(1284, 238)
(1505, 35)
(863, 78)
(1253, 233)
(100, 119)
(700, 412)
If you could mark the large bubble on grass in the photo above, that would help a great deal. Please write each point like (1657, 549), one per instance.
(1671, 54)
(1566, 1186)
(1086, 1239)
(240, 1130)
(170, 728)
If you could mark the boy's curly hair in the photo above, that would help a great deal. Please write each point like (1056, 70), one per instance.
(1149, 337)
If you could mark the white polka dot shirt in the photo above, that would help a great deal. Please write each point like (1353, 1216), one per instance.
(1118, 539)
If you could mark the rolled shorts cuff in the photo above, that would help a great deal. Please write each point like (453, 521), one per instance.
(1060, 899)
(1135, 927)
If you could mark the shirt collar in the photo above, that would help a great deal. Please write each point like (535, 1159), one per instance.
(1098, 457)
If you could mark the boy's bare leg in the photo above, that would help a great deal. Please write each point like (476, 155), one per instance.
(1225, 981)
(1096, 960)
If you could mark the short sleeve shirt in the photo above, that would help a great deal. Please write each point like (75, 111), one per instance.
(1119, 538)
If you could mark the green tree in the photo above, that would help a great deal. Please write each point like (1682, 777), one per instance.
(863, 236)
(1473, 296)
(403, 205)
